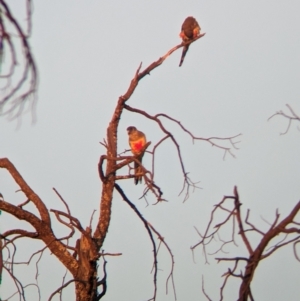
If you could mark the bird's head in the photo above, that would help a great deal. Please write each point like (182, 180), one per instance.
(131, 129)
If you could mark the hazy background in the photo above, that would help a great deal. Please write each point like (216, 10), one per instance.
(245, 69)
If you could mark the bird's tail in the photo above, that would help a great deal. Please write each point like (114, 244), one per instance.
(138, 170)
(184, 51)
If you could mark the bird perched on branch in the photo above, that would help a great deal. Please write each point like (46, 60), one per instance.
(190, 29)
(137, 142)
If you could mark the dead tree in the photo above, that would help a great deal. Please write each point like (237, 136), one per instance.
(280, 234)
(82, 259)
(18, 72)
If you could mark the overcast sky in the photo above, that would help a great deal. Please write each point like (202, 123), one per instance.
(245, 69)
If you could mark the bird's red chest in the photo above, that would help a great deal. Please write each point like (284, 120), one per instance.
(137, 146)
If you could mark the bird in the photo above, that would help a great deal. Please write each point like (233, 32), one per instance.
(190, 29)
(137, 141)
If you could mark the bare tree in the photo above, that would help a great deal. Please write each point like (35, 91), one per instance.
(280, 234)
(18, 72)
(82, 258)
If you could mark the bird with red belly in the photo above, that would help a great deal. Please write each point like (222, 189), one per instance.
(137, 142)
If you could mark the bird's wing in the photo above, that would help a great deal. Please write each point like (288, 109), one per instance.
(189, 29)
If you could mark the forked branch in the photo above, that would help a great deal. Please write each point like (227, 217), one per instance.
(286, 228)
(290, 116)
(151, 229)
(14, 46)
(213, 141)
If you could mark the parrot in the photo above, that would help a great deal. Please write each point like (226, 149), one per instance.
(137, 141)
(190, 29)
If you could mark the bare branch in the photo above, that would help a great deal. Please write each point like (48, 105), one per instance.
(147, 226)
(62, 199)
(22, 232)
(18, 89)
(30, 194)
(256, 254)
(203, 290)
(237, 206)
(171, 274)
(102, 282)
(279, 245)
(111, 254)
(250, 224)
(188, 183)
(210, 140)
(63, 286)
(291, 116)
(295, 251)
(43, 225)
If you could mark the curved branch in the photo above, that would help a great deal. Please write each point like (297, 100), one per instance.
(147, 226)
(63, 286)
(161, 60)
(42, 227)
(187, 181)
(210, 140)
(171, 274)
(18, 284)
(30, 194)
(73, 220)
(30, 74)
(21, 232)
(21, 214)
(291, 116)
(237, 205)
